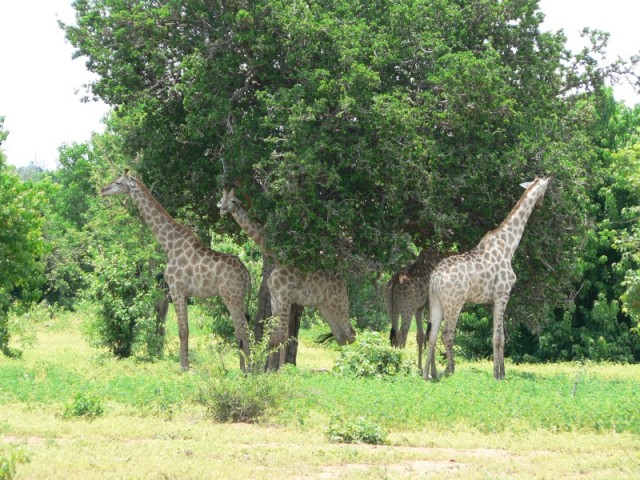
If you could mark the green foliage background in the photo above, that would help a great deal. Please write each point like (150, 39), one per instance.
(21, 241)
(356, 132)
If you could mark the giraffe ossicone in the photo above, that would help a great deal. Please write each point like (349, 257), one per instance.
(193, 270)
(481, 276)
(289, 286)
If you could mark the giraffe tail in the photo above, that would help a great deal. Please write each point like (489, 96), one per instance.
(392, 335)
(248, 301)
(391, 311)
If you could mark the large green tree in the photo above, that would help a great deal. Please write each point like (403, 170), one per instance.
(71, 193)
(21, 242)
(353, 128)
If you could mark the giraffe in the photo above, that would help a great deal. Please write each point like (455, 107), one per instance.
(193, 270)
(482, 275)
(406, 295)
(290, 286)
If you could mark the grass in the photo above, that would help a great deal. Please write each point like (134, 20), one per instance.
(544, 421)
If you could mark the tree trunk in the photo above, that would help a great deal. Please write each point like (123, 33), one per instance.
(264, 300)
(294, 328)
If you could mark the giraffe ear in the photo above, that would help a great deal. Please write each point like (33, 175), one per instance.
(232, 192)
(526, 185)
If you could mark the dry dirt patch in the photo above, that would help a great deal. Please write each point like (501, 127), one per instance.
(13, 440)
(411, 467)
(450, 461)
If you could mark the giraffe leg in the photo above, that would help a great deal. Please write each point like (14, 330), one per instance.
(242, 337)
(281, 311)
(420, 335)
(273, 363)
(277, 344)
(235, 305)
(448, 335)
(430, 371)
(180, 304)
(404, 328)
(499, 307)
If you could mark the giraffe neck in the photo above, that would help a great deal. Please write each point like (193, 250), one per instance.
(163, 227)
(251, 228)
(427, 261)
(511, 229)
(423, 265)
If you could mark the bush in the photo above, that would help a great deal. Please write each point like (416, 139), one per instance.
(234, 397)
(474, 338)
(239, 397)
(21, 243)
(83, 406)
(10, 458)
(371, 355)
(358, 430)
(126, 287)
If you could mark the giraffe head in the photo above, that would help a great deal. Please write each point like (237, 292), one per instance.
(122, 184)
(537, 188)
(228, 202)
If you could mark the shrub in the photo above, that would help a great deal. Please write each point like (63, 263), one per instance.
(474, 338)
(370, 356)
(21, 243)
(358, 430)
(126, 289)
(234, 397)
(10, 458)
(83, 406)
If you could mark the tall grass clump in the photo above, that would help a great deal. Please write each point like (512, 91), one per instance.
(371, 356)
(232, 396)
(10, 458)
(357, 430)
(235, 397)
(84, 406)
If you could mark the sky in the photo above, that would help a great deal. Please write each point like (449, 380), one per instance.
(41, 86)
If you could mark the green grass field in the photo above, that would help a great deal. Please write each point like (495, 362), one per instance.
(544, 421)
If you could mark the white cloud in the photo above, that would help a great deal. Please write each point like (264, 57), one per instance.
(617, 17)
(40, 85)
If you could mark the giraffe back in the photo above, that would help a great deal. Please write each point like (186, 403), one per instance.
(198, 271)
(310, 289)
(476, 276)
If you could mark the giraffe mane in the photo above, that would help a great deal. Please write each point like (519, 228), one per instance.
(164, 212)
(515, 208)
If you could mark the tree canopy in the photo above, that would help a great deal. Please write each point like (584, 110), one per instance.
(352, 129)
